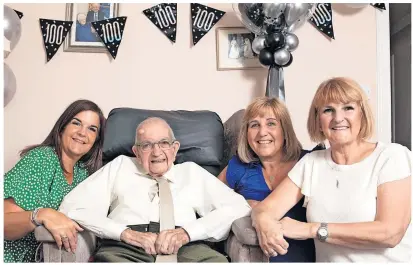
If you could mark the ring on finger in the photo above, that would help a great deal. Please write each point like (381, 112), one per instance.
(64, 238)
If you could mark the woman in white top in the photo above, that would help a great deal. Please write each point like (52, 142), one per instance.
(357, 193)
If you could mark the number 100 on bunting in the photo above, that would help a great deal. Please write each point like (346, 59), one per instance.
(54, 33)
(164, 17)
(110, 32)
(203, 19)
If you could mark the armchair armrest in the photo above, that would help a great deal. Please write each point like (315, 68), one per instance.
(244, 232)
(43, 235)
(86, 244)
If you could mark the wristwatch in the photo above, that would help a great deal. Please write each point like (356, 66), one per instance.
(322, 232)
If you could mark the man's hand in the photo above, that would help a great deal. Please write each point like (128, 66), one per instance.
(145, 240)
(170, 241)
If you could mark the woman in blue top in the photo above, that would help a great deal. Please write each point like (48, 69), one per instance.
(267, 150)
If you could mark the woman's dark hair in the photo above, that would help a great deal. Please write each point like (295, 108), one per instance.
(92, 161)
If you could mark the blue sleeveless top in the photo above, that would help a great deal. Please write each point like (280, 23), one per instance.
(248, 180)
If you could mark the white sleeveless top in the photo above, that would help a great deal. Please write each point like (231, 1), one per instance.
(347, 194)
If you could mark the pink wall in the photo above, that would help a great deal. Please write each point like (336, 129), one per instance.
(150, 72)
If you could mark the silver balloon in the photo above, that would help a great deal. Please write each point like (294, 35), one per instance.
(11, 26)
(291, 41)
(282, 57)
(6, 48)
(301, 20)
(258, 44)
(9, 84)
(294, 12)
(273, 10)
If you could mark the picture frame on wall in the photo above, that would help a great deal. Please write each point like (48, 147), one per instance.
(82, 36)
(234, 49)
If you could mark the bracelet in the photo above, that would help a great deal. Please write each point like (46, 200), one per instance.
(33, 217)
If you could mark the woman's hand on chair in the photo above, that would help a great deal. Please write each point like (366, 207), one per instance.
(63, 229)
(270, 236)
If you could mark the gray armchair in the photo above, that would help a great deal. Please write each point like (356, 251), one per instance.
(241, 246)
(86, 244)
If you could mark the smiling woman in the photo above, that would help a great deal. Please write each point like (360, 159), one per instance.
(357, 192)
(267, 149)
(36, 185)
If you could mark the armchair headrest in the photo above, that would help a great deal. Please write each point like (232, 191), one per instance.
(200, 133)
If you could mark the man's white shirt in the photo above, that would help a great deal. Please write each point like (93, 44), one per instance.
(121, 194)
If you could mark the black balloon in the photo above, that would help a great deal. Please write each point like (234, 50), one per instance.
(266, 56)
(275, 40)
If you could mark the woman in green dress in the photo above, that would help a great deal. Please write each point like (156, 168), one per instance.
(36, 185)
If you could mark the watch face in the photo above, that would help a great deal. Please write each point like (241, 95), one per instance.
(323, 232)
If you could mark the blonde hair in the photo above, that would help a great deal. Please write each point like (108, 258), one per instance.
(339, 90)
(291, 148)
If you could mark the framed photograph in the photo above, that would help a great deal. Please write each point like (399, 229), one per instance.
(82, 36)
(234, 51)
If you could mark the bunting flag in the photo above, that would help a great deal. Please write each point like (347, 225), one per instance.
(110, 32)
(20, 14)
(164, 16)
(203, 19)
(322, 19)
(54, 33)
(381, 6)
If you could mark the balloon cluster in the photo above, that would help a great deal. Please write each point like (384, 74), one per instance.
(273, 24)
(12, 32)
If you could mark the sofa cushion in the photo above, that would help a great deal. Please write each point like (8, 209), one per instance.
(200, 133)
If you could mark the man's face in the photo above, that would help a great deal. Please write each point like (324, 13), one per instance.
(95, 7)
(158, 158)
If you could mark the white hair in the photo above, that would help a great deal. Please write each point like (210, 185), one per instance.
(150, 120)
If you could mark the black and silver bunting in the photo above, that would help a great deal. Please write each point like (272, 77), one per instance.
(110, 32)
(164, 16)
(54, 33)
(322, 19)
(381, 6)
(20, 14)
(203, 19)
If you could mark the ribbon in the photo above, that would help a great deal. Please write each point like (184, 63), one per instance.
(275, 83)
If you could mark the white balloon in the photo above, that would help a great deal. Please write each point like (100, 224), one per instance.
(11, 26)
(9, 84)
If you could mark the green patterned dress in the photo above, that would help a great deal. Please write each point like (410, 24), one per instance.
(37, 180)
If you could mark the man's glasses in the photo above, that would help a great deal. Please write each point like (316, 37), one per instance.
(148, 146)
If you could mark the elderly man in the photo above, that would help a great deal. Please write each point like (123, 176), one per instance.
(128, 188)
